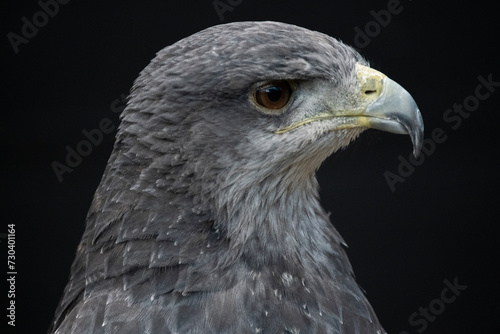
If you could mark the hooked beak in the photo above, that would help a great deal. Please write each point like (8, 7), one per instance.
(394, 110)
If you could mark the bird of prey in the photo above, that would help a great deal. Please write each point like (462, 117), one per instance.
(207, 218)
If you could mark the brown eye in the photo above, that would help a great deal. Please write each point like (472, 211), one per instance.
(273, 95)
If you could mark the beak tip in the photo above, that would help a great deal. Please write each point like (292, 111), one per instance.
(417, 135)
(417, 149)
(416, 152)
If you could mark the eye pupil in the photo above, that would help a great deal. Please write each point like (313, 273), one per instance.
(273, 95)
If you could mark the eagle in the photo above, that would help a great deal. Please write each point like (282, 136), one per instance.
(207, 218)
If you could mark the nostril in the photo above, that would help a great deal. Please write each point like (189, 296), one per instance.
(370, 92)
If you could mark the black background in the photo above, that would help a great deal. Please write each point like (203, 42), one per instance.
(440, 224)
